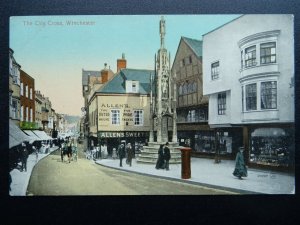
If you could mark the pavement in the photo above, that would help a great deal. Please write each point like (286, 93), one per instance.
(207, 173)
(203, 172)
(20, 179)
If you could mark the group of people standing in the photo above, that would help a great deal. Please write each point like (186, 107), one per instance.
(125, 150)
(163, 157)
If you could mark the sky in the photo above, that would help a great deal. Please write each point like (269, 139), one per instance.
(54, 52)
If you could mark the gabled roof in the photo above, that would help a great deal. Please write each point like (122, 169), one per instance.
(117, 83)
(195, 45)
(87, 73)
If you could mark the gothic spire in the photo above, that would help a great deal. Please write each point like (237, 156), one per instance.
(162, 31)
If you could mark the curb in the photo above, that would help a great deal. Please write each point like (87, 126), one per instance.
(238, 191)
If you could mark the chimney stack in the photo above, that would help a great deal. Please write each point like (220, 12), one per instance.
(104, 74)
(121, 63)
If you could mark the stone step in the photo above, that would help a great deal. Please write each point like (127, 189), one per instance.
(153, 160)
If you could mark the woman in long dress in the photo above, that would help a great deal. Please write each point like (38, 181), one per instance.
(160, 163)
(240, 169)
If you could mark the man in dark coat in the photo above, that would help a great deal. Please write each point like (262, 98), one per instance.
(167, 155)
(129, 151)
(121, 153)
(240, 169)
(160, 163)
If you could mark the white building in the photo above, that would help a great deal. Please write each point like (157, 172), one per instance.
(248, 72)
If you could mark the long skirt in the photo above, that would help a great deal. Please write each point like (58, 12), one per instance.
(160, 163)
(240, 171)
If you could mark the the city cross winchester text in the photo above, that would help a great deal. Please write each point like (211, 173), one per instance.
(43, 23)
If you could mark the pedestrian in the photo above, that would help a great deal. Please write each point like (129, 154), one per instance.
(160, 163)
(69, 150)
(114, 153)
(104, 152)
(130, 153)
(24, 157)
(240, 169)
(121, 153)
(62, 150)
(35, 150)
(167, 155)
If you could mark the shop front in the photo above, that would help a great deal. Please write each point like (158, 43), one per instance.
(272, 147)
(207, 142)
(112, 139)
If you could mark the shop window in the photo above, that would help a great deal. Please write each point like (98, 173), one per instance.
(115, 117)
(250, 56)
(215, 70)
(251, 96)
(272, 146)
(268, 95)
(138, 117)
(268, 53)
(221, 103)
(204, 142)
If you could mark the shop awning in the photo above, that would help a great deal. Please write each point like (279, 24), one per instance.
(16, 135)
(32, 135)
(42, 135)
(268, 132)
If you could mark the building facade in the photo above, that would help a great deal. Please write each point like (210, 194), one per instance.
(91, 82)
(14, 89)
(38, 109)
(249, 84)
(27, 100)
(192, 105)
(119, 110)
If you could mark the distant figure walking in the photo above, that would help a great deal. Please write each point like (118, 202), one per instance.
(24, 157)
(130, 153)
(104, 152)
(121, 153)
(240, 169)
(114, 153)
(35, 150)
(160, 163)
(167, 155)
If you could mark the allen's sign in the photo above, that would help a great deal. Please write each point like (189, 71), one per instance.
(122, 134)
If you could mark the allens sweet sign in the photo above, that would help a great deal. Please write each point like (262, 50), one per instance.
(122, 134)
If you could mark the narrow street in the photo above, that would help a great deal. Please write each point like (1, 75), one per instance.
(53, 177)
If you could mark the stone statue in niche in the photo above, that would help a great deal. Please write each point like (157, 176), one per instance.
(165, 86)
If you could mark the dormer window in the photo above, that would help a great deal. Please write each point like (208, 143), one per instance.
(132, 86)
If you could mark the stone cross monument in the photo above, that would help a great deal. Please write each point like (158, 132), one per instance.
(162, 105)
